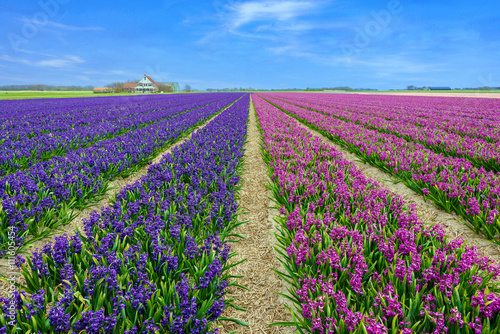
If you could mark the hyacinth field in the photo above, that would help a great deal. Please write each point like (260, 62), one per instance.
(159, 258)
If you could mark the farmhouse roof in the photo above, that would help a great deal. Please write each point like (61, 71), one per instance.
(129, 84)
(147, 76)
(100, 88)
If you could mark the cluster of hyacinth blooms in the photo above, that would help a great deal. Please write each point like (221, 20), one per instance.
(155, 261)
(37, 200)
(26, 142)
(472, 117)
(357, 258)
(481, 152)
(35, 117)
(453, 183)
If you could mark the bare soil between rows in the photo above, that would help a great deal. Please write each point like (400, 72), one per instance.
(263, 306)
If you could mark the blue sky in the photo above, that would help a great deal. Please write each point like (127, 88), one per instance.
(256, 43)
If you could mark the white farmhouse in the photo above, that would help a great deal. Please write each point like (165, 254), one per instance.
(146, 85)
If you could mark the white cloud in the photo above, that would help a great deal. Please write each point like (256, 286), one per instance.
(75, 59)
(118, 72)
(247, 12)
(61, 26)
(381, 66)
(17, 79)
(83, 78)
(391, 65)
(295, 49)
(299, 27)
(275, 20)
(15, 60)
(35, 53)
(293, 28)
(61, 62)
(66, 62)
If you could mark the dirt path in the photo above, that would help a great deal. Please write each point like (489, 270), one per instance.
(427, 211)
(263, 306)
(77, 223)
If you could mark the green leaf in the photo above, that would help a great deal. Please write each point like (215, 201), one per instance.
(284, 323)
(239, 322)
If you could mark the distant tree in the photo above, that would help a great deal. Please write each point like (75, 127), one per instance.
(411, 87)
(119, 87)
(187, 88)
(116, 87)
(164, 87)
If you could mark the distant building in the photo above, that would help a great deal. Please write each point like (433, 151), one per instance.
(146, 85)
(101, 90)
(439, 88)
(129, 87)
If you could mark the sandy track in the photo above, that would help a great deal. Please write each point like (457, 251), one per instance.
(262, 303)
(426, 210)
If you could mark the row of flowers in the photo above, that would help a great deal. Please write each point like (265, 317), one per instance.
(479, 151)
(472, 117)
(57, 134)
(454, 184)
(37, 200)
(155, 261)
(357, 258)
(28, 118)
